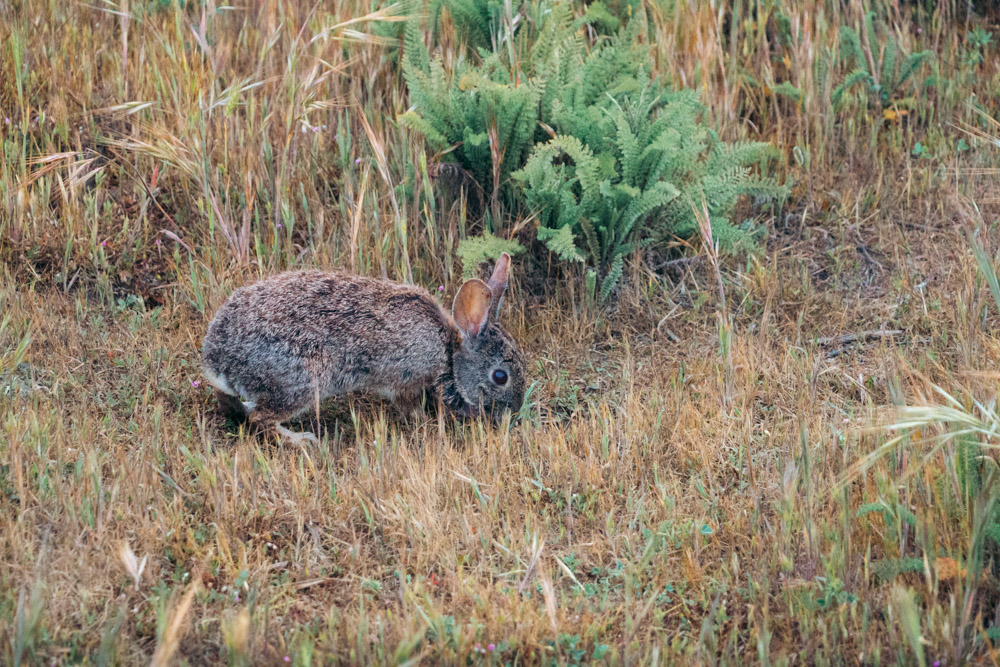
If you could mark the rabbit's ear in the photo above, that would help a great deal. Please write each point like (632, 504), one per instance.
(498, 281)
(471, 309)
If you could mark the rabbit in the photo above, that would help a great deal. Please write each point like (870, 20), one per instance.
(278, 346)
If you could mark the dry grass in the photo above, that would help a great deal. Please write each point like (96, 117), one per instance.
(678, 488)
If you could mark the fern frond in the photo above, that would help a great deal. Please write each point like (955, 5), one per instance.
(591, 236)
(912, 62)
(415, 122)
(655, 197)
(612, 278)
(598, 16)
(562, 242)
(887, 70)
(851, 52)
(479, 249)
(787, 89)
(475, 20)
(553, 36)
(628, 146)
(856, 77)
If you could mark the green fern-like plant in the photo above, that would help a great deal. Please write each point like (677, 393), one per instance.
(610, 159)
(632, 177)
(479, 249)
(893, 67)
(890, 568)
(493, 113)
(479, 111)
(475, 23)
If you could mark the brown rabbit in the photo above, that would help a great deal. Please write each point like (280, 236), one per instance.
(278, 346)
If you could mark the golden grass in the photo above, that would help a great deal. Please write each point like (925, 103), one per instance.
(675, 491)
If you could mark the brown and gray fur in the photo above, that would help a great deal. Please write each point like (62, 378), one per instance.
(278, 346)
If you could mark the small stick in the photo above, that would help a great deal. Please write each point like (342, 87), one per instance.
(861, 336)
(675, 263)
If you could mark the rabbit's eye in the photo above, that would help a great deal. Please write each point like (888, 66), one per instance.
(499, 377)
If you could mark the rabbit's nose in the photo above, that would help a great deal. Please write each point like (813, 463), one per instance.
(467, 410)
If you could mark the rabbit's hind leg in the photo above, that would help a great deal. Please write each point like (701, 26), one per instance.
(297, 438)
(268, 419)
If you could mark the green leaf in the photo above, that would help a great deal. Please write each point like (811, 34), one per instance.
(413, 121)
(562, 242)
(612, 278)
(987, 268)
(479, 249)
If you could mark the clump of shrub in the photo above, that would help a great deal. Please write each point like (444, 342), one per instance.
(608, 158)
(879, 67)
(489, 115)
(634, 178)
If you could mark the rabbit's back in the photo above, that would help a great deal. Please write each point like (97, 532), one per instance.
(298, 333)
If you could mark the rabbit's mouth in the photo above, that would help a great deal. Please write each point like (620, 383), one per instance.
(454, 399)
(466, 409)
